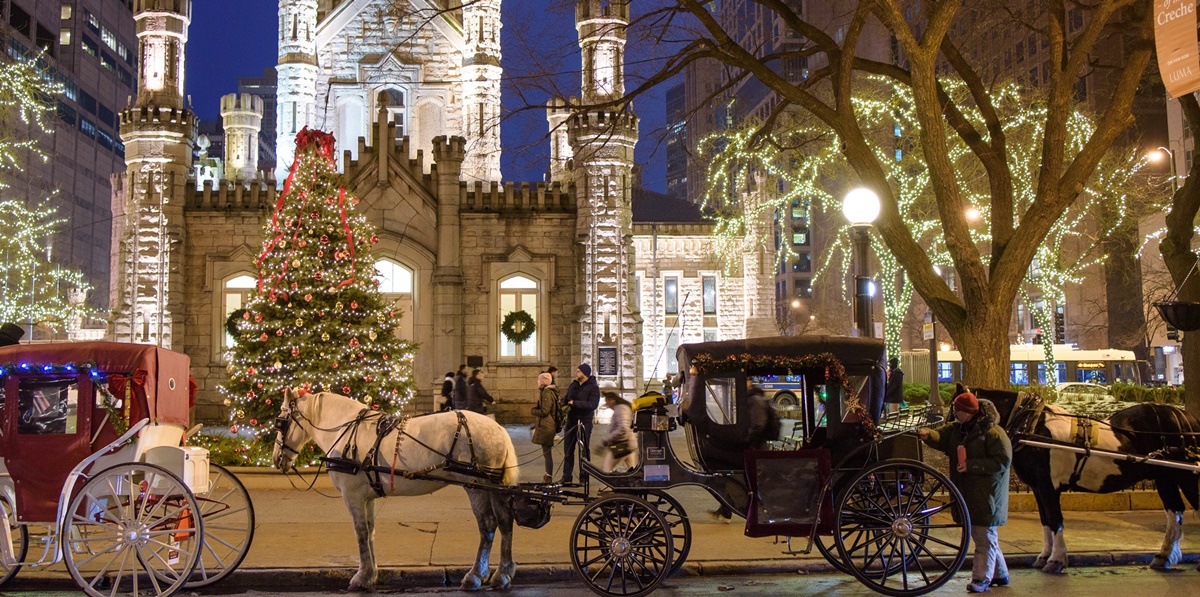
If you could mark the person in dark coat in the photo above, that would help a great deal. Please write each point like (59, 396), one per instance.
(893, 393)
(460, 388)
(583, 398)
(980, 454)
(545, 427)
(477, 395)
(447, 400)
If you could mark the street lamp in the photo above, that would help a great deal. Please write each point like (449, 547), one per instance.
(1160, 153)
(861, 207)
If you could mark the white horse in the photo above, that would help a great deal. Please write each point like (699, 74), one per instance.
(425, 444)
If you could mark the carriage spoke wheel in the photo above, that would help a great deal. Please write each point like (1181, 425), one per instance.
(902, 528)
(228, 519)
(828, 548)
(132, 530)
(20, 543)
(621, 546)
(681, 527)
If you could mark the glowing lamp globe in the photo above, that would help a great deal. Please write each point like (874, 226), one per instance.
(861, 207)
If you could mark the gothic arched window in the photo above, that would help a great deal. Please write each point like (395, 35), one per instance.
(235, 293)
(396, 284)
(520, 293)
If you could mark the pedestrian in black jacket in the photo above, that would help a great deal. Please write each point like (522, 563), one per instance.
(583, 398)
(477, 395)
(460, 388)
(447, 400)
(893, 393)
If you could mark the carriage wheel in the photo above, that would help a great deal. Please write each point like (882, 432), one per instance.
(902, 528)
(20, 543)
(828, 548)
(228, 527)
(681, 527)
(132, 530)
(621, 546)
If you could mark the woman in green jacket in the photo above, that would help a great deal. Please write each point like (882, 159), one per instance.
(980, 453)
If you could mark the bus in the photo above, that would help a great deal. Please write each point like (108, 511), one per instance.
(1027, 365)
(781, 390)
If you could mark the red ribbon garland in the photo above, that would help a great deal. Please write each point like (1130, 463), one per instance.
(349, 235)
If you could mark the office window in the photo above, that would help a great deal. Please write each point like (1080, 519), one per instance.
(104, 139)
(710, 295)
(803, 288)
(800, 235)
(799, 210)
(45, 41)
(1021, 51)
(89, 45)
(92, 22)
(65, 113)
(108, 62)
(87, 127)
(87, 102)
(20, 20)
(64, 37)
(109, 38)
(67, 9)
(671, 296)
(803, 263)
(119, 149)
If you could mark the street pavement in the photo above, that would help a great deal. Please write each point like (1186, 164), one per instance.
(304, 541)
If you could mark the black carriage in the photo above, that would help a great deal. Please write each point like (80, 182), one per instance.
(853, 485)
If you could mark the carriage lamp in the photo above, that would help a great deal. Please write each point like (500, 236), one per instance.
(861, 207)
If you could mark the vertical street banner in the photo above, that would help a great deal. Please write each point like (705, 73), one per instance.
(1176, 41)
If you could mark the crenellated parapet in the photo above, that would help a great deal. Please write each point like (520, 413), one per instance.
(230, 196)
(379, 156)
(558, 112)
(591, 10)
(179, 120)
(617, 124)
(183, 7)
(510, 197)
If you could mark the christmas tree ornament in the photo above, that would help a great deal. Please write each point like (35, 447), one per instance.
(299, 323)
(338, 305)
(295, 351)
(278, 365)
(246, 316)
(308, 298)
(325, 337)
(372, 335)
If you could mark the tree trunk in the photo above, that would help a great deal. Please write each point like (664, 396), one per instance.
(1123, 291)
(1191, 364)
(983, 344)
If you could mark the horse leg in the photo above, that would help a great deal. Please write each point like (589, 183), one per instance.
(1169, 554)
(482, 507)
(501, 508)
(362, 512)
(1053, 558)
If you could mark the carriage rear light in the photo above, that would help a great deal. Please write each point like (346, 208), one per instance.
(185, 522)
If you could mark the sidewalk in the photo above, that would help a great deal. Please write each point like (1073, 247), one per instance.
(304, 539)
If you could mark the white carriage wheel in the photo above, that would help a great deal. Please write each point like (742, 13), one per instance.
(228, 519)
(132, 530)
(20, 543)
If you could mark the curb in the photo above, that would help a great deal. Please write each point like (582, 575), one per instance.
(390, 579)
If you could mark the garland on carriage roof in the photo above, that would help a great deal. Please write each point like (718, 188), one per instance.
(835, 373)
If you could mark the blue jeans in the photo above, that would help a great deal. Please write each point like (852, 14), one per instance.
(570, 438)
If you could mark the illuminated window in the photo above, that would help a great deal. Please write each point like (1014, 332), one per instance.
(64, 37)
(671, 296)
(710, 295)
(520, 293)
(66, 11)
(236, 294)
(393, 277)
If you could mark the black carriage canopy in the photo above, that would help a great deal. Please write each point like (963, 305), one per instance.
(722, 367)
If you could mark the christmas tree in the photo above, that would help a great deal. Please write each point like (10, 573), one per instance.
(316, 318)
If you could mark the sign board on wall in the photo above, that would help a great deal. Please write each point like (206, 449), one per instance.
(607, 362)
(1175, 39)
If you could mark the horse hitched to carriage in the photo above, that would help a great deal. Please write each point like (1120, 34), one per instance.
(94, 472)
(857, 491)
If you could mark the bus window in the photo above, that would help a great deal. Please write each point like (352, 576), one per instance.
(1091, 372)
(946, 372)
(1019, 374)
(1060, 367)
(721, 395)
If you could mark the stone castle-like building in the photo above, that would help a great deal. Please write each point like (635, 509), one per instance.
(613, 275)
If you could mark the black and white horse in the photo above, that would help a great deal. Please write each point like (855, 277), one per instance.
(1143, 429)
(342, 426)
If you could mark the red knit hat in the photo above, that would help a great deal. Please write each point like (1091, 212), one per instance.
(966, 403)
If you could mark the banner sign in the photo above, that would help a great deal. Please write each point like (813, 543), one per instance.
(1176, 41)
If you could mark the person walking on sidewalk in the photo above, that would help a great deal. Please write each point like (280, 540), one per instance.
(447, 400)
(546, 424)
(477, 395)
(980, 454)
(893, 393)
(583, 398)
(460, 388)
(621, 441)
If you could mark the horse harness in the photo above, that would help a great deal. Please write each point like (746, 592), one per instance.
(375, 470)
(1030, 409)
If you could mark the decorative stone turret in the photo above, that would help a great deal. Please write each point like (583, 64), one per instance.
(602, 142)
(557, 114)
(296, 96)
(148, 227)
(481, 90)
(241, 115)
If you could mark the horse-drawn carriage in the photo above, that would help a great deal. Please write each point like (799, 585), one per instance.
(857, 491)
(94, 472)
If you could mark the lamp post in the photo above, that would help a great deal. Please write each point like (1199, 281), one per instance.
(1163, 152)
(861, 207)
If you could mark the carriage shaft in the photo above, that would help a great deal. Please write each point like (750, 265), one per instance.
(1187, 466)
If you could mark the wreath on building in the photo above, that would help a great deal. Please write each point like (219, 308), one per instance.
(518, 326)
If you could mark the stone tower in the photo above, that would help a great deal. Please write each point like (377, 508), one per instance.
(481, 90)
(158, 132)
(602, 139)
(241, 116)
(558, 112)
(296, 98)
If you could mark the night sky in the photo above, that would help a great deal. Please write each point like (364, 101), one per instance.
(237, 38)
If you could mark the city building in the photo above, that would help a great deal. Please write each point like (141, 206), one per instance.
(611, 275)
(676, 143)
(90, 48)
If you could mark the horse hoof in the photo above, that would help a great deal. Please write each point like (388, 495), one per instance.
(1054, 567)
(1040, 562)
(471, 582)
(1159, 563)
(501, 582)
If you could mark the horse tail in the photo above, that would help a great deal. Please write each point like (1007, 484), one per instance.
(512, 468)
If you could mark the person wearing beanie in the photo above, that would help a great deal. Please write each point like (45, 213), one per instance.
(582, 400)
(548, 421)
(980, 454)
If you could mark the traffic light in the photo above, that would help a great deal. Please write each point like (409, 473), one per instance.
(1060, 328)
(1172, 333)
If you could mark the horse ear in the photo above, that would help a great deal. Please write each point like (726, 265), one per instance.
(959, 389)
